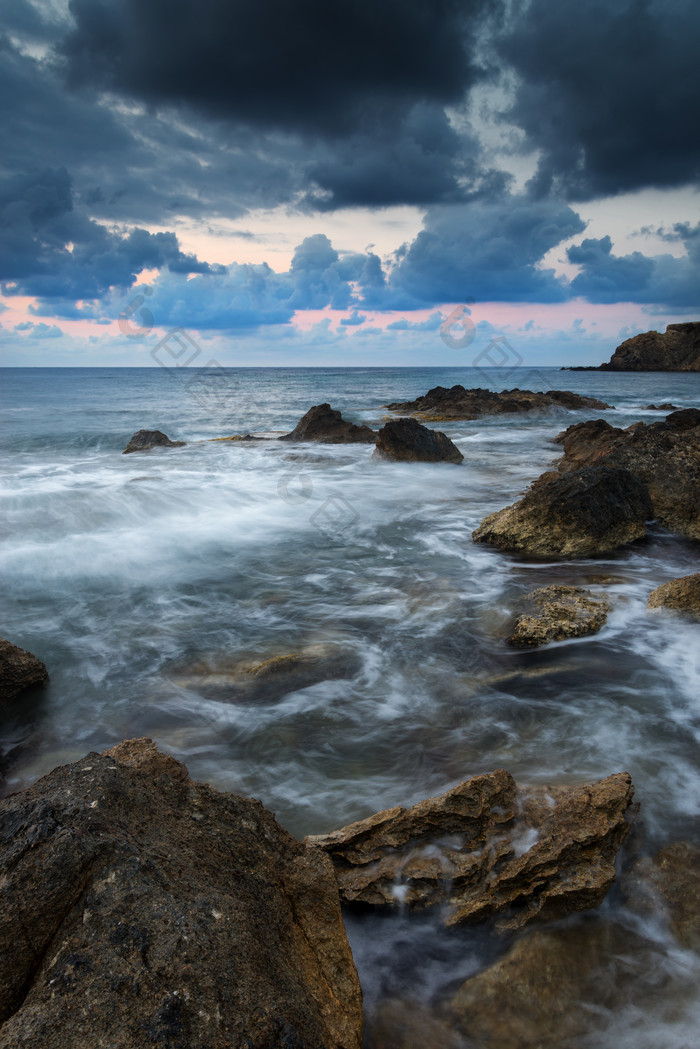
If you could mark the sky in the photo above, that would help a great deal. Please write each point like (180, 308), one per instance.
(350, 183)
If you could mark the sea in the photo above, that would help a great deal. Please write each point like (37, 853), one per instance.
(146, 581)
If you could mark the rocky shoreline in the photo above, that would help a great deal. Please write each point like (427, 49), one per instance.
(675, 350)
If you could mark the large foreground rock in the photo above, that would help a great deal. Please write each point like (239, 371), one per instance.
(406, 440)
(679, 595)
(589, 511)
(558, 612)
(141, 909)
(19, 669)
(441, 404)
(488, 849)
(323, 423)
(144, 440)
(676, 350)
(664, 455)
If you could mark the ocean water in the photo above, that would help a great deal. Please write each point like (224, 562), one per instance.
(146, 581)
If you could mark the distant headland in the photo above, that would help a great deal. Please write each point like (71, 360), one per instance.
(676, 350)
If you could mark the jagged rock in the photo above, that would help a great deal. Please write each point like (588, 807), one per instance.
(144, 440)
(441, 404)
(268, 680)
(406, 440)
(670, 882)
(323, 423)
(589, 511)
(676, 350)
(562, 612)
(664, 455)
(680, 595)
(19, 669)
(666, 407)
(547, 990)
(488, 849)
(139, 908)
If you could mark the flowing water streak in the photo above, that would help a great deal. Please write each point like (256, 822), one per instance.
(127, 573)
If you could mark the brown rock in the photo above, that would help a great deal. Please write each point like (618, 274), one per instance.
(441, 404)
(676, 350)
(589, 511)
(562, 612)
(664, 455)
(406, 440)
(144, 440)
(669, 881)
(140, 908)
(547, 990)
(680, 595)
(487, 849)
(323, 423)
(402, 1024)
(19, 669)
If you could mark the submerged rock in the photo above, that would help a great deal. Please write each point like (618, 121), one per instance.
(589, 511)
(676, 350)
(140, 908)
(679, 595)
(19, 669)
(144, 440)
(670, 882)
(323, 423)
(406, 440)
(440, 403)
(268, 680)
(488, 849)
(561, 612)
(546, 991)
(664, 455)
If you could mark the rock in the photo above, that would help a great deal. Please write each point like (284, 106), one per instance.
(666, 407)
(669, 881)
(680, 595)
(405, 440)
(399, 1023)
(441, 404)
(266, 681)
(144, 440)
(142, 909)
(488, 849)
(323, 423)
(547, 990)
(562, 612)
(664, 455)
(676, 350)
(19, 669)
(589, 511)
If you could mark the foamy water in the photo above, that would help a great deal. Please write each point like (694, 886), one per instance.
(124, 573)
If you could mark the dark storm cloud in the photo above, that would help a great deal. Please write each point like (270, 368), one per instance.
(309, 66)
(666, 280)
(50, 250)
(485, 251)
(609, 91)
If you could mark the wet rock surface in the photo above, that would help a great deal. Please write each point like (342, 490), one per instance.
(266, 680)
(559, 612)
(486, 849)
(441, 403)
(144, 440)
(323, 423)
(664, 455)
(678, 595)
(676, 349)
(19, 669)
(140, 908)
(669, 882)
(406, 440)
(588, 511)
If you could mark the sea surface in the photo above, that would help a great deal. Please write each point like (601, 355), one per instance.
(146, 581)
